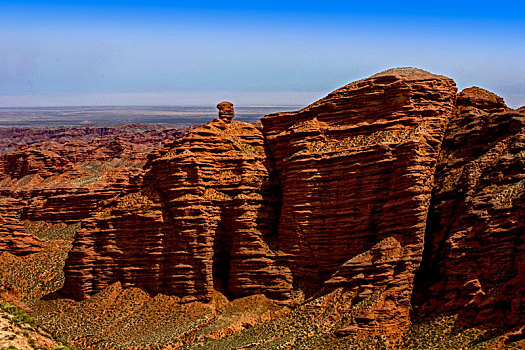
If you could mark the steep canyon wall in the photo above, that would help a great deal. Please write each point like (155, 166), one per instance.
(359, 190)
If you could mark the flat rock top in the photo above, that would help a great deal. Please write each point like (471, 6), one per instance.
(407, 73)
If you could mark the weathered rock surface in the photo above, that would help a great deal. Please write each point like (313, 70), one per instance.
(64, 174)
(203, 220)
(78, 144)
(78, 199)
(475, 242)
(226, 111)
(56, 190)
(13, 237)
(331, 203)
(29, 161)
(53, 178)
(356, 169)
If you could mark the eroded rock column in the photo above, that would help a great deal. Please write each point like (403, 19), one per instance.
(203, 220)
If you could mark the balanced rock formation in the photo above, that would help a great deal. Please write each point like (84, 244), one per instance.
(204, 220)
(226, 111)
(347, 197)
(475, 245)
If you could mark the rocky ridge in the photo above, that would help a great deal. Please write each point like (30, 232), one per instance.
(44, 195)
(475, 250)
(335, 195)
(29, 161)
(330, 210)
(356, 170)
(78, 144)
(205, 213)
(13, 238)
(55, 190)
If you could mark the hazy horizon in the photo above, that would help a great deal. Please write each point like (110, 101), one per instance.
(109, 53)
(196, 99)
(81, 116)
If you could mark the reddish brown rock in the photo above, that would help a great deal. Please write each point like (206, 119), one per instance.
(13, 238)
(28, 161)
(475, 250)
(68, 172)
(204, 220)
(77, 199)
(38, 186)
(102, 150)
(332, 199)
(226, 111)
(477, 100)
(79, 144)
(356, 169)
(67, 196)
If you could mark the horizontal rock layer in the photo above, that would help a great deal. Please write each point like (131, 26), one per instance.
(13, 238)
(202, 221)
(356, 170)
(78, 144)
(475, 240)
(29, 161)
(333, 197)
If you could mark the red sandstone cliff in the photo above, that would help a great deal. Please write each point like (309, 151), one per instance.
(475, 249)
(29, 161)
(356, 170)
(203, 220)
(47, 188)
(13, 238)
(332, 199)
(56, 190)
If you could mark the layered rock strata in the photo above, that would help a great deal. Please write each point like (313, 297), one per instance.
(356, 170)
(13, 238)
(55, 190)
(79, 198)
(333, 198)
(29, 161)
(203, 220)
(475, 246)
(79, 144)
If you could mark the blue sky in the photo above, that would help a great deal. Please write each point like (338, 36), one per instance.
(254, 53)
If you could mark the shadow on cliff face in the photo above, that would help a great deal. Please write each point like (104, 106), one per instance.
(222, 246)
(208, 227)
(474, 237)
(333, 199)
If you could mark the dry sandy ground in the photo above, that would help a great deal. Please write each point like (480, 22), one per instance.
(21, 335)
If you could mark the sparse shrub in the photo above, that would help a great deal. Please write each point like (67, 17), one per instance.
(19, 316)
